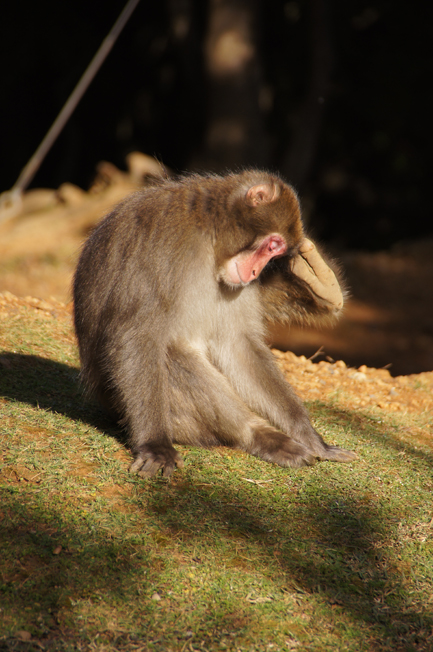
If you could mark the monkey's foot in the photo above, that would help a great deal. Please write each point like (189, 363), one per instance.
(273, 446)
(335, 454)
(153, 457)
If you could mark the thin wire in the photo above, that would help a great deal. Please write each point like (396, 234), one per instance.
(32, 166)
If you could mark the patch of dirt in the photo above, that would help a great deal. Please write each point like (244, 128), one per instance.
(387, 321)
(11, 305)
(19, 473)
(365, 388)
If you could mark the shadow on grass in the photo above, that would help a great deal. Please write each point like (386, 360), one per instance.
(334, 546)
(52, 386)
(83, 592)
(42, 584)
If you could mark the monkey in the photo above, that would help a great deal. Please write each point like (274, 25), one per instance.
(173, 292)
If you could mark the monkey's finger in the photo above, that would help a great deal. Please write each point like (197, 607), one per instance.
(305, 272)
(325, 287)
(331, 292)
(318, 265)
(315, 266)
(306, 245)
(301, 268)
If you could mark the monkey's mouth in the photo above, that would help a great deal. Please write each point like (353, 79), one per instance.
(241, 282)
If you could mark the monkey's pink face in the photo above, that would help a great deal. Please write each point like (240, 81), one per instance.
(247, 265)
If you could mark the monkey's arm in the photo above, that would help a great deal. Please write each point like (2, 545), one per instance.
(304, 289)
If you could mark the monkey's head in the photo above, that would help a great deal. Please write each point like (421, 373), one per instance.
(265, 224)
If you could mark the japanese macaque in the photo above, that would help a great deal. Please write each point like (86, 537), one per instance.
(172, 294)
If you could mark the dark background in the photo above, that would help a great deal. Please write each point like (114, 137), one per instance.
(333, 94)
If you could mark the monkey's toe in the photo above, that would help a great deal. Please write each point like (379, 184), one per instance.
(336, 454)
(151, 459)
(274, 446)
(295, 459)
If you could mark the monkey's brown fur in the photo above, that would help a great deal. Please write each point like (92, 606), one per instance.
(171, 295)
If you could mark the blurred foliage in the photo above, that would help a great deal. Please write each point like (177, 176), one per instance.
(367, 183)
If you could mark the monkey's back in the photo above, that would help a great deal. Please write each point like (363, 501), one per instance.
(133, 271)
(146, 275)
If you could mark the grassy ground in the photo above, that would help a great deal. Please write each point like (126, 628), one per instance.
(232, 554)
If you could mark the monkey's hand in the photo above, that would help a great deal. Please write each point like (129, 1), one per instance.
(311, 268)
(153, 457)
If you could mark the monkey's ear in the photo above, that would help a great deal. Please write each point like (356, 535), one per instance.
(262, 193)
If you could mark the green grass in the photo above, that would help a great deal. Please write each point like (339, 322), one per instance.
(232, 554)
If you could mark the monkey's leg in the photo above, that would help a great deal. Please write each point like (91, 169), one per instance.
(266, 392)
(207, 411)
(138, 387)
